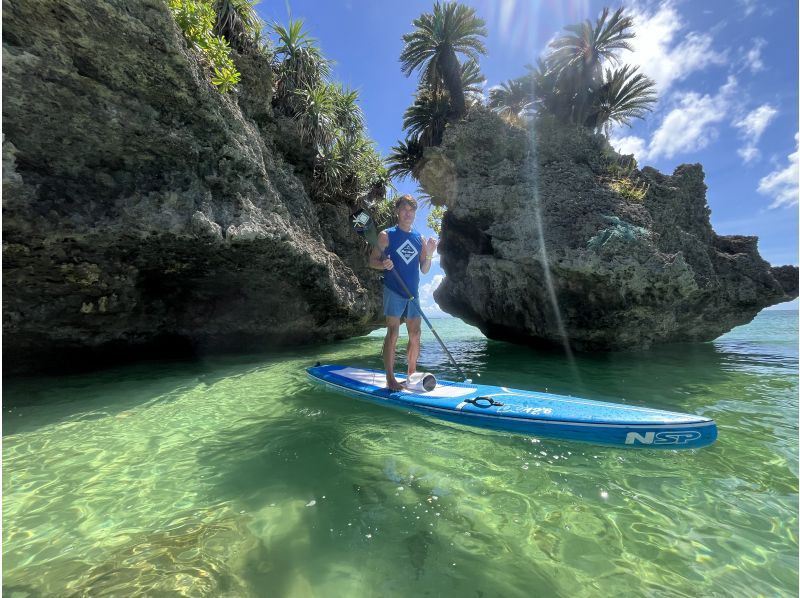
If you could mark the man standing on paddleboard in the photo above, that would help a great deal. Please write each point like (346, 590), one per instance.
(408, 253)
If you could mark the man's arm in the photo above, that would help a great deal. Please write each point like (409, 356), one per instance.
(375, 260)
(426, 256)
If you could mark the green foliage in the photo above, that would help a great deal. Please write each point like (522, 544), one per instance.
(435, 218)
(624, 178)
(327, 115)
(347, 163)
(196, 18)
(629, 188)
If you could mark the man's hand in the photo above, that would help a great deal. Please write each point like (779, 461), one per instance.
(430, 246)
(387, 264)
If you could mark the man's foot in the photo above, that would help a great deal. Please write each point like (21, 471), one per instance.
(393, 384)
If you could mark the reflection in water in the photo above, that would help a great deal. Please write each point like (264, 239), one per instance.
(238, 477)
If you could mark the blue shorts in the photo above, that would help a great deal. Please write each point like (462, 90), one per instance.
(397, 306)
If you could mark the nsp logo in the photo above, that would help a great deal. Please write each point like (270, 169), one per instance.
(662, 437)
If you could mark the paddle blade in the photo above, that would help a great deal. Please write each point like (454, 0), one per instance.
(365, 226)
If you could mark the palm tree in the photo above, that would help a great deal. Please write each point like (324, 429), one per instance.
(301, 64)
(547, 97)
(405, 157)
(426, 118)
(512, 100)
(433, 46)
(472, 80)
(577, 58)
(589, 45)
(624, 95)
(239, 23)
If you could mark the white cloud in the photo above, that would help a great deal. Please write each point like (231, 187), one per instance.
(748, 153)
(690, 125)
(663, 52)
(752, 126)
(426, 301)
(782, 184)
(630, 145)
(753, 57)
(755, 122)
(749, 6)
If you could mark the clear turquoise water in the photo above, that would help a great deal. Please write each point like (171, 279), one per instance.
(236, 477)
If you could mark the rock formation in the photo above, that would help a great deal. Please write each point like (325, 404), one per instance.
(552, 236)
(145, 211)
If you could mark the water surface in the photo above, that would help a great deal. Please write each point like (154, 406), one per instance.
(236, 476)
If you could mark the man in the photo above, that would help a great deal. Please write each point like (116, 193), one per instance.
(407, 253)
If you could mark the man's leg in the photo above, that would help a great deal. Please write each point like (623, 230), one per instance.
(414, 327)
(389, 346)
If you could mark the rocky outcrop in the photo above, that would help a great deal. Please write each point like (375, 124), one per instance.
(143, 211)
(551, 237)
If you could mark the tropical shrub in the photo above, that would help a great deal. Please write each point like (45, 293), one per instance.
(435, 218)
(197, 19)
(327, 116)
(624, 178)
(299, 65)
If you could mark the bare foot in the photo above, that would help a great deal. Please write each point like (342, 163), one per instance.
(393, 384)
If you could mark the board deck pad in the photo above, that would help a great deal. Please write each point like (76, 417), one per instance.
(534, 413)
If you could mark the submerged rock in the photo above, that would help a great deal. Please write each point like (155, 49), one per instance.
(551, 236)
(143, 211)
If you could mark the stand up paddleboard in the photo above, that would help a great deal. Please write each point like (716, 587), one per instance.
(527, 412)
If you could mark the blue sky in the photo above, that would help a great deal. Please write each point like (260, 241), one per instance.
(726, 72)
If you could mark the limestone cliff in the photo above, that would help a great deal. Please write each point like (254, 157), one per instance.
(552, 236)
(145, 211)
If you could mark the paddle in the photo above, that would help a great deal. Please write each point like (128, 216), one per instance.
(365, 227)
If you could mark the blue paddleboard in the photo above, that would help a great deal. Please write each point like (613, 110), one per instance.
(527, 412)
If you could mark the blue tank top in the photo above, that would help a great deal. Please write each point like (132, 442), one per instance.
(404, 250)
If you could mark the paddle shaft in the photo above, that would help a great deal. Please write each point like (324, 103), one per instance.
(424, 317)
